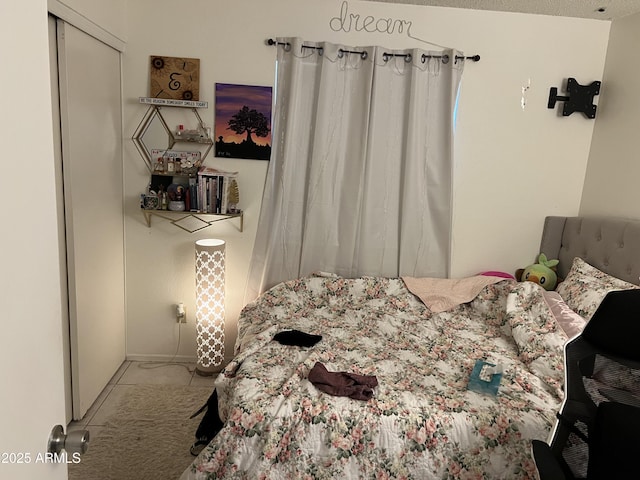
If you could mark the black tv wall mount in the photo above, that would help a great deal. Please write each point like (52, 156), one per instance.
(580, 98)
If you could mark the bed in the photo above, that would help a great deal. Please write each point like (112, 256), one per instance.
(422, 421)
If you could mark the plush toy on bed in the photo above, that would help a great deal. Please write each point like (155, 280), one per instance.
(543, 273)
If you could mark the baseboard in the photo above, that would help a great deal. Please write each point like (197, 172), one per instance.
(167, 358)
(161, 358)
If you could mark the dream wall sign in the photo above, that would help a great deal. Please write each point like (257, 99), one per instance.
(174, 77)
(243, 121)
(347, 21)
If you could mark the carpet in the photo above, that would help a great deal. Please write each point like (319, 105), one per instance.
(148, 439)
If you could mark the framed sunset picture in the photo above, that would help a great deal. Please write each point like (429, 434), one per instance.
(243, 121)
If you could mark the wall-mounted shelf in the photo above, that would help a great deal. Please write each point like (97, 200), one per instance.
(154, 112)
(208, 202)
(192, 221)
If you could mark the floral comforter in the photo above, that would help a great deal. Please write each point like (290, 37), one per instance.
(423, 422)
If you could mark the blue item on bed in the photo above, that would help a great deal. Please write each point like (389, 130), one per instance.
(485, 378)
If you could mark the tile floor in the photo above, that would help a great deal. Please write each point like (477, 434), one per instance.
(136, 373)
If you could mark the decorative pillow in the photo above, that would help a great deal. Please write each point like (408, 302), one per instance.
(586, 286)
(571, 323)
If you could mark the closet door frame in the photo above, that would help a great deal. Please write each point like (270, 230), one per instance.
(90, 116)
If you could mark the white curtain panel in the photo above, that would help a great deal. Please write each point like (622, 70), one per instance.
(360, 177)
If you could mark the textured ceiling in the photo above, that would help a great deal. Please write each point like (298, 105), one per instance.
(565, 8)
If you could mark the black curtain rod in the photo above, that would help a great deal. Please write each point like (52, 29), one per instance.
(385, 56)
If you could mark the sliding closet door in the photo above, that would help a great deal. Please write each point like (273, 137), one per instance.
(91, 134)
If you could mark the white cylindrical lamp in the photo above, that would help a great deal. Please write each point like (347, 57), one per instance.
(210, 291)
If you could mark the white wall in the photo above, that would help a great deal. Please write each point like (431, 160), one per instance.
(513, 166)
(611, 185)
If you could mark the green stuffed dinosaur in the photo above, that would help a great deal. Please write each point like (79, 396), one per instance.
(543, 273)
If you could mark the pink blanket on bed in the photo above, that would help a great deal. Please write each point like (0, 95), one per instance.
(442, 294)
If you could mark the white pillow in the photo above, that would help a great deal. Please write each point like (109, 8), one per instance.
(586, 286)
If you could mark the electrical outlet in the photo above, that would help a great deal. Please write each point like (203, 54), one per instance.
(181, 313)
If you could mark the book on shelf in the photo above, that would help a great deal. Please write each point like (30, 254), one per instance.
(193, 194)
(210, 191)
(213, 189)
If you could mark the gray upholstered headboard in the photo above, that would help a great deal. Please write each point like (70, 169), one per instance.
(608, 243)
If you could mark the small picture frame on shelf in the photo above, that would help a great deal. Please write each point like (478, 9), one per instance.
(150, 201)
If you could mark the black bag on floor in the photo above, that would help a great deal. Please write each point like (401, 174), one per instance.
(209, 426)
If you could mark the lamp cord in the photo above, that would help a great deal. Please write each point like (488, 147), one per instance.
(151, 365)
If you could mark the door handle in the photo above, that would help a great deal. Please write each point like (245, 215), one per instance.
(76, 441)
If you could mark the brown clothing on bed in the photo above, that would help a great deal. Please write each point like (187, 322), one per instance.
(343, 384)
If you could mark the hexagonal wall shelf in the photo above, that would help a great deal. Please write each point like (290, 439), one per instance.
(153, 112)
